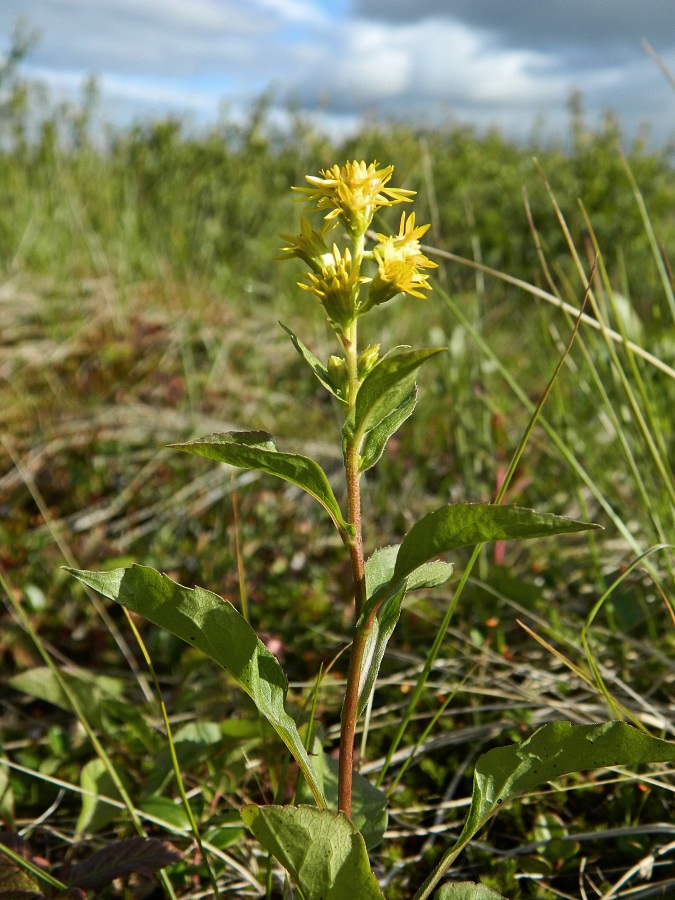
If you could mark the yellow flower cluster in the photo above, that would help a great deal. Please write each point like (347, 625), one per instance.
(337, 287)
(399, 260)
(351, 195)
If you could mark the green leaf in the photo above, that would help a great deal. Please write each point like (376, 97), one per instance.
(379, 569)
(257, 450)
(214, 626)
(93, 693)
(376, 439)
(321, 850)
(553, 750)
(369, 805)
(386, 386)
(193, 742)
(315, 364)
(467, 524)
(96, 814)
(164, 809)
(6, 797)
(466, 890)
(386, 619)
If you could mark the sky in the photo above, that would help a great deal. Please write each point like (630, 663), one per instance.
(509, 64)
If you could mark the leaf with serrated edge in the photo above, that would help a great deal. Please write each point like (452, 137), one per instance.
(466, 524)
(257, 450)
(214, 626)
(138, 854)
(376, 440)
(553, 750)
(321, 850)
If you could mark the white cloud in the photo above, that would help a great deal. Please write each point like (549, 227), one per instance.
(187, 53)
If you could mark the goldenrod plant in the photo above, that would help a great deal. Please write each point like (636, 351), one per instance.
(322, 840)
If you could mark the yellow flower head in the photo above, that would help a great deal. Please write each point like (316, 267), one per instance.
(309, 245)
(399, 259)
(337, 287)
(353, 193)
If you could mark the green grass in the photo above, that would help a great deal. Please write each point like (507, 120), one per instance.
(139, 305)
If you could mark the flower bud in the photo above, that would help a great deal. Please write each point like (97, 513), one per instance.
(338, 375)
(367, 360)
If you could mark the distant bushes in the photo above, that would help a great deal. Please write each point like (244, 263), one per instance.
(209, 205)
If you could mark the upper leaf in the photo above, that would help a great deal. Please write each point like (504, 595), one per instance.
(376, 439)
(321, 850)
(385, 387)
(467, 524)
(212, 624)
(313, 362)
(257, 450)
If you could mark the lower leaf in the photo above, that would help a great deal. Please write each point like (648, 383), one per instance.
(321, 850)
(214, 626)
(559, 748)
(466, 890)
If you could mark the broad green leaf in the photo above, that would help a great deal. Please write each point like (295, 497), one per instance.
(95, 814)
(553, 750)
(192, 743)
(166, 810)
(257, 450)
(379, 569)
(386, 386)
(386, 619)
(214, 626)
(466, 890)
(321, 850)
(466, 524)
(369, 805)
(315, 364)
(93, 693)
(376, 439)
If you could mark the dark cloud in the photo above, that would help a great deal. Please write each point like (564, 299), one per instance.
(544, 24)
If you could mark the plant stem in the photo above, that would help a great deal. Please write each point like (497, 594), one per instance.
(350, 707)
